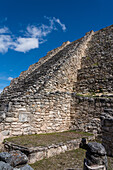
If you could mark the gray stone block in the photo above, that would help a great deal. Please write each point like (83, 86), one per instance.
(96, 148)
(26, 167)
(5, 166)
(14, 158)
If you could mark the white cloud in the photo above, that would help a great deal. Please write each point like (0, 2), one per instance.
(10, 78)
(40, 31)
(25, 44)
(4, 30)
(59, 22)
(43, 30)
(5, 43)
(5, 78)
(34, 31)
(34, 35)
(5, 39)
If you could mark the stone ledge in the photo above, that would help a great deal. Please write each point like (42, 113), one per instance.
(38, 153)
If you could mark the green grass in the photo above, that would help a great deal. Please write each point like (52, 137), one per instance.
(70, 159)
(110, 163)
(46, 139)
(94, 95)
(91, 94)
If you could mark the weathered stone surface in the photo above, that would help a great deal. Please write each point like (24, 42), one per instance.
(96, 148)
(107, 130)
(26, 167)
(23, 117)
(95, 157)
(85, 112)
(95, 75)
(5, 166)
(1, 138)
(5, 156)
(39, 153)
(14, 158)
(2, 116)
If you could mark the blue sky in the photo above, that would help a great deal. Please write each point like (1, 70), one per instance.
(31, 28)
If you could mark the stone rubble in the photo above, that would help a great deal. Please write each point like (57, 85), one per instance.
(14, 160)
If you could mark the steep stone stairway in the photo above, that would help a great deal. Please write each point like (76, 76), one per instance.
(96, 73)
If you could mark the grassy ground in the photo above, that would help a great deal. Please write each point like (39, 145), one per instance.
(46, 139)
(68, 160)
(65, 161)
(110, 163)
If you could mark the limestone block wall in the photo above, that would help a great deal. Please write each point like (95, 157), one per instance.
(86, 112)
(38, 114)
(107, 130)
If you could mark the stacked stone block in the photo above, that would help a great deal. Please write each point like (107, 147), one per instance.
(86, 112)
(107, 130)
(41, 113)
(95, 157)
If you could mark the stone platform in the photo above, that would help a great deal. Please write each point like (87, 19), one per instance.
(38, 153)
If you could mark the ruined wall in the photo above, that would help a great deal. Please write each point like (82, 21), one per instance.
(86, 112)
(38, 114)
(107, 130)
(42, 99)
(39, 100)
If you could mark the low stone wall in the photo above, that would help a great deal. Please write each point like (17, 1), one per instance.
(107, 130)
(86, 112)
(38, 153)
